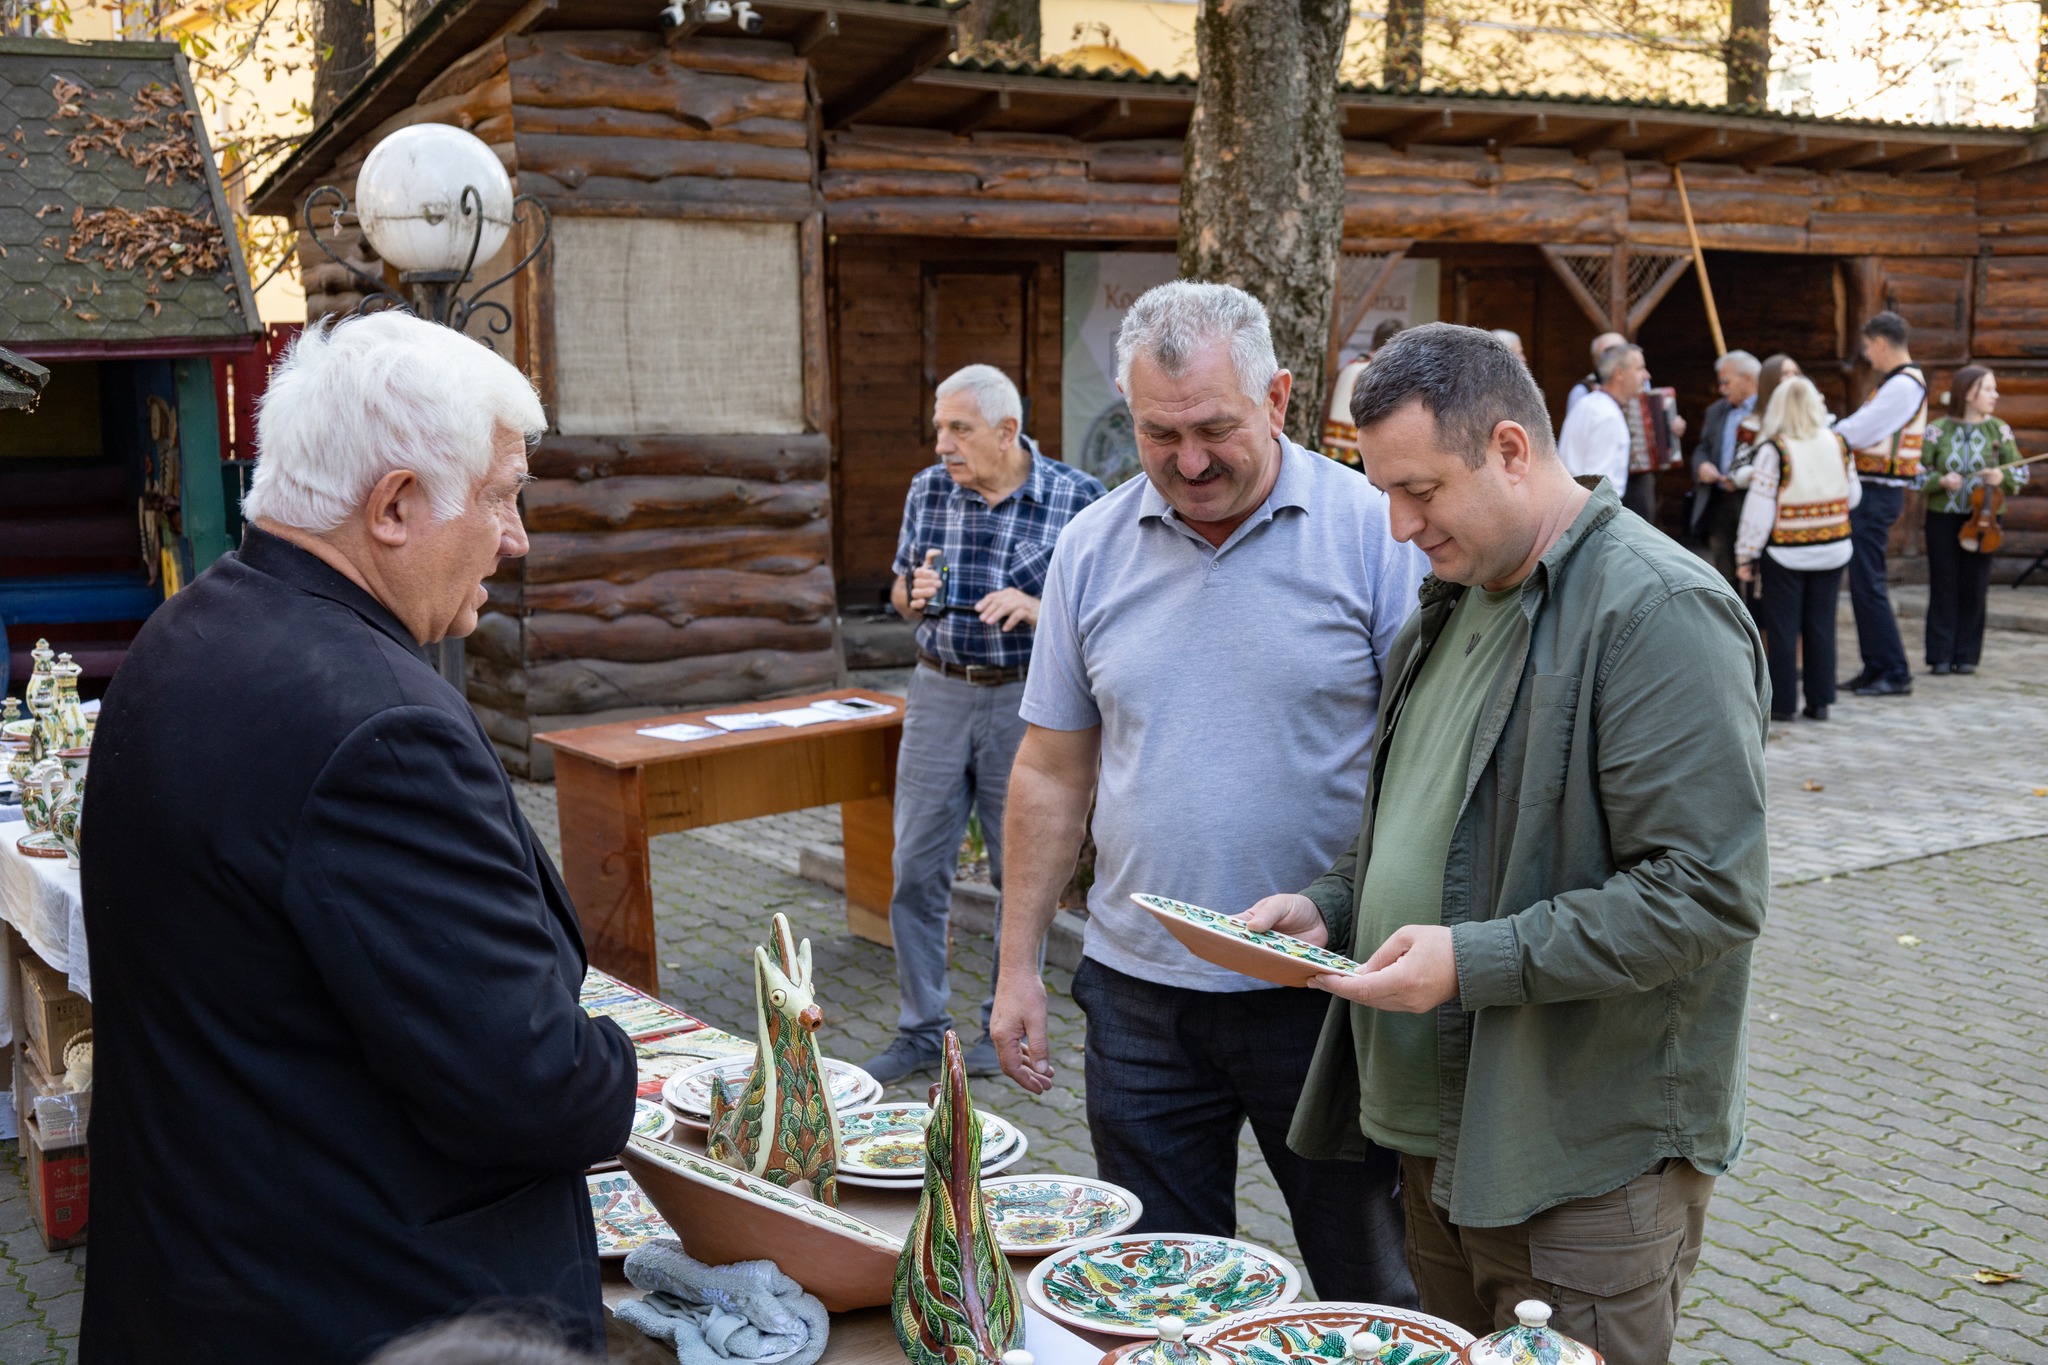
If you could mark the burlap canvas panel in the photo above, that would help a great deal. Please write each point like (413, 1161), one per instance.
(667, 325)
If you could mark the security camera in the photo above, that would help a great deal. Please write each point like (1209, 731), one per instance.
(672, 16)
(743, 14)
(717, 11)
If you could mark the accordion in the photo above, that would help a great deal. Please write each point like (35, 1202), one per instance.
(1651, 446)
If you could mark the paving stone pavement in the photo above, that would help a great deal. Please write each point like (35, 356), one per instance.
(1898, 1127)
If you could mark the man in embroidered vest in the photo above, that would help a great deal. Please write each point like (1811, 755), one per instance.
(1885, 435)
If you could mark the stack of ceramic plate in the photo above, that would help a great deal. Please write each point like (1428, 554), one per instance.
(626, 1219)
(688, 1092)
(1033, 1215)
(1124, 1285)
(651, 1120)
(882, 1145)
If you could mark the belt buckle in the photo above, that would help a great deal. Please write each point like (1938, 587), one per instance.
(983, 675)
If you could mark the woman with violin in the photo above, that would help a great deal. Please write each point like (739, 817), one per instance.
(1970, 462)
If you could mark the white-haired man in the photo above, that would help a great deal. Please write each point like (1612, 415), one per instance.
(343, 1082)
(978, 531)
(1595, 441)
(1578, 392)
(1717, 502)
(1206, 672)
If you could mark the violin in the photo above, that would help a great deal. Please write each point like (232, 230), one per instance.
(1981, 534)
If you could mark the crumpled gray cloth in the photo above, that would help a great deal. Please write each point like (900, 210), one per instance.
(749, 1311)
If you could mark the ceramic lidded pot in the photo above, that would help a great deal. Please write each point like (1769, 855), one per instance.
(1533, 1342)
(41, 682)
(68, 729)
(1170, 1347)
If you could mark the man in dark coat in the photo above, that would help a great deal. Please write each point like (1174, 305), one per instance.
(1716, 501)
(344, 1083)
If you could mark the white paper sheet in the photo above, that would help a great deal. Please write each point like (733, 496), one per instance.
(680, 731)
(852, 708)
(799, 716)
(742, 720)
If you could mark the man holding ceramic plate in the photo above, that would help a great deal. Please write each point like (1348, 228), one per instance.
(1556, 888)
(1205, 673)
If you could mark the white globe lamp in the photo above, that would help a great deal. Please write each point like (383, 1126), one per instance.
(411, 201)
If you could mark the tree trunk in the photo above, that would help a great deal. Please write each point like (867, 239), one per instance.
(1262, 182)
(1406, 23)
(1010, 24)
(1749, 53)
(2041, 69)
(344, 50)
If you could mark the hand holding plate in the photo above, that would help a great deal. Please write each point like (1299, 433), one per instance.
(1292, 914)
(1413, 972)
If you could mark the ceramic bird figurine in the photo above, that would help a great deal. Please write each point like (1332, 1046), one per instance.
(781, 1127)
(955, 1303)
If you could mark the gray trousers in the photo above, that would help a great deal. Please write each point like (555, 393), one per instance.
(958, 743)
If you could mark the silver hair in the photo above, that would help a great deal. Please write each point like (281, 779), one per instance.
(1510, 339)
(1612, 359)
(1617, 340)
(1741, 362)
(993, 393)
(354, 400)
(1172, 323)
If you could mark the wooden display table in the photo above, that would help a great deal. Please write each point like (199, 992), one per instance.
(615, 786)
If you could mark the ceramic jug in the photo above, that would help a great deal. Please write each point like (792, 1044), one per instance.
(70, 808)
(41, 683)
(1532, 1342)
(41, 794)
(67, 728)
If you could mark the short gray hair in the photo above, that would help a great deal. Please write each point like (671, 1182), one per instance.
(993, 393)
(354, 400)
(1469, 382)
(1741, 362)
(1171, 323)
(1612, 359)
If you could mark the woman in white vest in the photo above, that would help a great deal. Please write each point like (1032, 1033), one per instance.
(1795, 520)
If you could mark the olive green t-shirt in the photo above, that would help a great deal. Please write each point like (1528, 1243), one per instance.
(1416, 812)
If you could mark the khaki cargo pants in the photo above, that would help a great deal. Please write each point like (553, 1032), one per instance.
(1613, 1268)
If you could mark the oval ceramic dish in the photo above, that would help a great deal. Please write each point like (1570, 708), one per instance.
(1320, 1334)
(1034, 1215)
(688, 1092)
(1228, 942)
(1123, 1285)
(651, 1120)
(888, 1139)
(913, 1181)
(626, 1218)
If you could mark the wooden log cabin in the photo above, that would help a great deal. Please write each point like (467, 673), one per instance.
(768, 248)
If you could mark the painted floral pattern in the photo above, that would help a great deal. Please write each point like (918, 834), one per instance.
(1044, 1214)
(888, 1139)
(1307, 1344)
(1127, 1284)
(691, 1092)
(626, 1218)
(650, 1119)
(1258, 938)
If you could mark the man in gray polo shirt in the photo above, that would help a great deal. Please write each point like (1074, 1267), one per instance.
(1206, 670)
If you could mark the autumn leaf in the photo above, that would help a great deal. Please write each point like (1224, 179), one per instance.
(2041, 791)
(1811, 786)
(1992, 1276)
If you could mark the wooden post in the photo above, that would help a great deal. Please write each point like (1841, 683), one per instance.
(1699, 263)
(603, 815)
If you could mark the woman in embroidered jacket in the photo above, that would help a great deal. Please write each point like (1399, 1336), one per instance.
(1795, 520)
(1959, 450)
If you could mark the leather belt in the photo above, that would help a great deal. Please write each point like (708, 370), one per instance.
(980, 675)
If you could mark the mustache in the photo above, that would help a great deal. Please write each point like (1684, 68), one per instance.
(1213, 469)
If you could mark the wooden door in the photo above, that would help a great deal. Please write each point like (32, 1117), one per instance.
(976, 314)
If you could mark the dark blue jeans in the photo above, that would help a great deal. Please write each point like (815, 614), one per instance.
(1172, 1076)
(1877, 629)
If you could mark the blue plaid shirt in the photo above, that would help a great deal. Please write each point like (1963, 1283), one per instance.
(983, 549)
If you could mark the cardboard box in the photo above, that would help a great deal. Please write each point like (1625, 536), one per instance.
(63, 1116)
(59, 1188)
(52, 1014)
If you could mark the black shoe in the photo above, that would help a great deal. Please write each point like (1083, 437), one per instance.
(1887, 687)
(1963, 668)
(1782, 717)
(981, 1058)
(904, 1057)
(1938, 670)
(1815, 713)
(1860, 681)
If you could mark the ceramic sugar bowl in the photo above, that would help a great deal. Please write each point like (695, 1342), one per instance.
(1533, 1342)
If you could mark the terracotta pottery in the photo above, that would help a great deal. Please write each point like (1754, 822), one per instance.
(781, 1127)
(1228, 942)
(955, 1300)
(1532, 1342)
(722, 1215)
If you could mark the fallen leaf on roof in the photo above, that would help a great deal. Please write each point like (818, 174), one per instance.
(1992, 1276)
(1812, 786)
(84, 316)
(1908, 941)
(49, 208)
(2041, 791)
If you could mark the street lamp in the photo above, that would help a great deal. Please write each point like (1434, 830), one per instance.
(433, 200)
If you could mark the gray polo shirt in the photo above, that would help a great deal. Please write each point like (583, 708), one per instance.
(1236, 689)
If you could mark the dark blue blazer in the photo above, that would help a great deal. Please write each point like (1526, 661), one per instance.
(343, 1082)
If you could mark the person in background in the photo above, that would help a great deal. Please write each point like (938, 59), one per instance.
(1606, 341)
(978, 531)
(1716, 504)
(1963, 452)
(1206, 670)
(1885, 435)
(1513, 341)
(1595, 439)
(1795, 520)
(1554, 890)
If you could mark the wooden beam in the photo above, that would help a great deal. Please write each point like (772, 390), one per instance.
(1099, 118)
(1772, 152)
(1593, 308)
(1926, 158)
(1998, 161)
(920, 59)
(524, 19)
(1686, 146)
(981, 111)
(1416, 129)
(1519, 131)
(1600, 139)
(1637, 315)
(1855, 154)
(821, 29)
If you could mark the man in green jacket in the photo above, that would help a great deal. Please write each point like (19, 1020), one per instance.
(1559, 876)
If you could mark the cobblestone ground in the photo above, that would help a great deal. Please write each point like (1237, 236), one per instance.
(1898, 1109)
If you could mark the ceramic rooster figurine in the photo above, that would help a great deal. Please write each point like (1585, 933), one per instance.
(781, 1126)
(955, 1303)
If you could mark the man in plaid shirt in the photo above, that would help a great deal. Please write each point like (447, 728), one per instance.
(978, 532)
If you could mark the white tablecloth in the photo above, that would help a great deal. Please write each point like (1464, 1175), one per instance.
(39, 897)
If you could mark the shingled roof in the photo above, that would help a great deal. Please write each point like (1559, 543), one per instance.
(114, 233)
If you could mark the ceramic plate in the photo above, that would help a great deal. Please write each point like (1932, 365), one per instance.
(661, 1058)
(914, 1182)
(888, 1139)
(1227, 942)
(1124, 1285)
(688, 1092)
(1320, 1334)
(1036, 1214)
(651, 1120)
(626, 1219)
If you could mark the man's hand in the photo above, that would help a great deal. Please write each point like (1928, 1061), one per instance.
(1951, 481)
(1745, 572)
(1008, 608)
(1291, 914)
(1413, 972)
(1017, 1027)
(924, 583)
(1707, 473)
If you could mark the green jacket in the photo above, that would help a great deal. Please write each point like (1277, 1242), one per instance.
(1605, 881)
